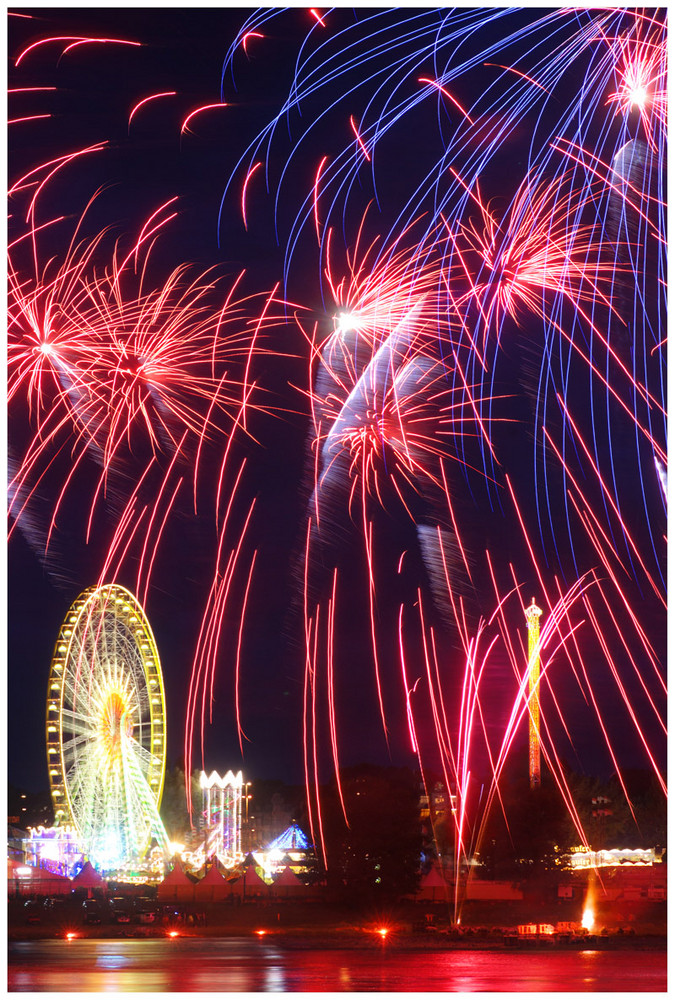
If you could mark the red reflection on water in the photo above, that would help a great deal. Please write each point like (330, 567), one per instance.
(217, 965)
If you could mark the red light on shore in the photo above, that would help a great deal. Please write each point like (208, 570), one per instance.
(173, 933)
(261, 933)
(70, 935)
(383, 931)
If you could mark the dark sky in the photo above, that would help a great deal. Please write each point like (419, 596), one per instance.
(147, 162)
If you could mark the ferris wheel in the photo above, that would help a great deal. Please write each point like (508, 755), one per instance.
(106, 736)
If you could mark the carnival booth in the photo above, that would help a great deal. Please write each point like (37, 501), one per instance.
(25, 880)
(433, 886)
(213, 887)
(177, 887)
(288, 885)
(89, 880)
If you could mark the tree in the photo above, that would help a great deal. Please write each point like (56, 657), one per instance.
(173, 809)
(650, 807)
(530, 834)
(375, 855)
(603, 811)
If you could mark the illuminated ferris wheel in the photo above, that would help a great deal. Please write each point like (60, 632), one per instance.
(106, 742)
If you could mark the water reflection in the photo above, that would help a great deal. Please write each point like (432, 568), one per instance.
(275, 981)
(233, 965)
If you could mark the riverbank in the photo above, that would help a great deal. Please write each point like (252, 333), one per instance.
(367, 939)
(408, 925)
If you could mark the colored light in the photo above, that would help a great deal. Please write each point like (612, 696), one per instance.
(533, 613)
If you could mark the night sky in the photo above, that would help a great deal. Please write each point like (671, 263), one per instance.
(365, 66)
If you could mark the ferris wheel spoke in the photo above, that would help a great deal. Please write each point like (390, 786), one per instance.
(75, 745)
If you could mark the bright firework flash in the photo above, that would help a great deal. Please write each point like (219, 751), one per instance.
(382, 291)
(640, 57)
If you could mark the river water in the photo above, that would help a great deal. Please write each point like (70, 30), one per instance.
(226, 965)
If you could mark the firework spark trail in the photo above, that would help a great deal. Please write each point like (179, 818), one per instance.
(551, 632)
(308, 667)
(330, 679)
(103, 361)
(550, 45)
(644, 646)
(145, 573)
(216, 621)
(145, 100)
(197, 111)
(309, 728)
(211, 632)
(73, 42)
(237, 672)
(534, 251)
(244, 190)
(406, 686)
(624, 528)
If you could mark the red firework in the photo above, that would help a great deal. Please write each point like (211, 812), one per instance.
(640, 66)
(540, 250)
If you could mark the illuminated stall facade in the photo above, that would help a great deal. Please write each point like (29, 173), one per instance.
(221, 812)
(55, 849)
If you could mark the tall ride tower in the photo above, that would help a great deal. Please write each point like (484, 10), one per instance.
(532, 614)
(222, 798)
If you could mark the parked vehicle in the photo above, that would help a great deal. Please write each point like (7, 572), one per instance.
(54, 904)
(91, 911)
(120, 910)
(171, 915)
(32, 912)
(146, 910)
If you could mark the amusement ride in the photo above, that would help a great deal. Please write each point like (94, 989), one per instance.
(106, 734)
